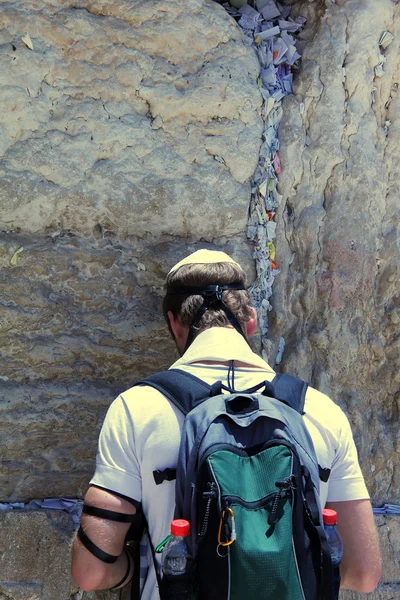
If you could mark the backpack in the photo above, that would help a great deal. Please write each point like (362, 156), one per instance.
(247, 480)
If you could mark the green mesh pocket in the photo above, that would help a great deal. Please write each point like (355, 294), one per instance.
(262, 561)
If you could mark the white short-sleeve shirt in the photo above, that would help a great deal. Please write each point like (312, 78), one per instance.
(142, 429)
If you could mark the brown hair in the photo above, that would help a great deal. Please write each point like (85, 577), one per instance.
(198, 275)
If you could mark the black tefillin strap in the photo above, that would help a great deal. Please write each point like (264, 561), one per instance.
(212, 295)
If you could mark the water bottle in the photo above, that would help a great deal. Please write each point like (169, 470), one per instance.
(177, 564)
(336, 548)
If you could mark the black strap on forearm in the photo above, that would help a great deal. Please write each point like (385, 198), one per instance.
(124, 580)
(110, 515)
(95, 550)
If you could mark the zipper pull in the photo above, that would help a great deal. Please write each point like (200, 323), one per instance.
(209, 496)
(283, 487)
(212, 493)
(273, 516)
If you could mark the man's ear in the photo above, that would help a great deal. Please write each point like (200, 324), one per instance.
(176, 326)
(251, 324)
(180, 332)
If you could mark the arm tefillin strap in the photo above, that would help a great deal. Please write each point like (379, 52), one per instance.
(110, 515)
(95, 550)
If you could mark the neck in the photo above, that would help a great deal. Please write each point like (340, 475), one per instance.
(226, 363)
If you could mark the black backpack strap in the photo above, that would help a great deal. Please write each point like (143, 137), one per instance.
(184, 390)
(290, 390)
(317, 529)
(135, 585)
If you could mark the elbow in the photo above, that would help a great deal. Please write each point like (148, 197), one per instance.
(367, 582)
(370, 582)
(81, 581)
(367, 585)
(87, 579)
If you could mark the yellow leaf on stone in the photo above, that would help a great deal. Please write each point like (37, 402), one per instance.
(27, 41)
(14, 259)
(271, 249)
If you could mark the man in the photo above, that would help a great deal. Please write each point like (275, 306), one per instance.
(141, 434)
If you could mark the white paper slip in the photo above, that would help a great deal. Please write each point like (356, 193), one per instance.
(265, 35)
(268, 9)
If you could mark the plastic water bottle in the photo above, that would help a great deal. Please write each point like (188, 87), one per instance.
(336, 547)
(177, 564)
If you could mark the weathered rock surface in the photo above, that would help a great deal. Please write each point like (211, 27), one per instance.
(336, 301)
(128, 133)
(115, 118)
(127, 139)
(50, 433)
(34, 558)
(34, 555)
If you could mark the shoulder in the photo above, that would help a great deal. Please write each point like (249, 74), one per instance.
(320, 407)
(141, 405)
(325, 420)
(139, 419)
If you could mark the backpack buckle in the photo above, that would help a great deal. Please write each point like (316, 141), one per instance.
(166, 475)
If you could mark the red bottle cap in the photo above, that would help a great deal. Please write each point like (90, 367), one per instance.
(180, 527)
(329, 516)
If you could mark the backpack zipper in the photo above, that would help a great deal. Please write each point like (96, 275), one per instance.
(210, 497)
(285, 489)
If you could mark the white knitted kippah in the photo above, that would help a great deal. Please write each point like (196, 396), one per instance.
(204, 257)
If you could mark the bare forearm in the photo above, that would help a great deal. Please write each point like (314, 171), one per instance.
(361, 564)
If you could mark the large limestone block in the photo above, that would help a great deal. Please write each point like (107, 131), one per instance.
(142, 117)
(80, 321)
(35, 555)
(85, 310)
(336, 301)
(34, 558)
(389, 538)
(49, 438)
(383, 592)
(128, 132)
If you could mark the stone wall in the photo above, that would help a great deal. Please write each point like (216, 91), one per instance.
(336, 302)
(129, 134)
(36, 567)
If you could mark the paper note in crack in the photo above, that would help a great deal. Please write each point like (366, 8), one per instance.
(386, 39)
(268, 9)
(279, 49)
(267, 34)
(250, 18)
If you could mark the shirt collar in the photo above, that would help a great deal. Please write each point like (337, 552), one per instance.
(220, 344)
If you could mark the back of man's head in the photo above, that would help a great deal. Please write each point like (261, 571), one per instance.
(199, 270)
